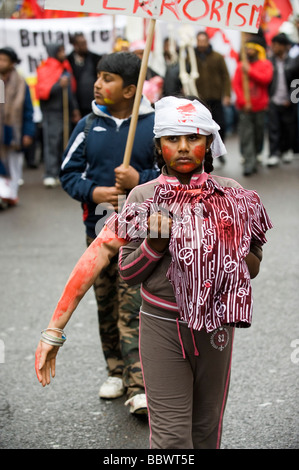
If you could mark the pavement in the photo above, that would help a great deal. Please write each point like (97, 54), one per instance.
(41, 240)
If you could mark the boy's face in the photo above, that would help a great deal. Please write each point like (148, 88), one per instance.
(108, 89)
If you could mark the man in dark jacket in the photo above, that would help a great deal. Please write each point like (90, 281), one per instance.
(84, 66)
(214, 83)
(282, 114)
(92, 173)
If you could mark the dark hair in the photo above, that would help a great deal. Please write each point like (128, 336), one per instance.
(208, 161)
(204, 33)
(75, 36)
(125, 64)
(11, 54)
(282, 39)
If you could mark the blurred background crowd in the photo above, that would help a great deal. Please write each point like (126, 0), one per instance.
(249, 81)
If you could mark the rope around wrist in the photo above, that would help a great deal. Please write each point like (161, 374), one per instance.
(51, 339)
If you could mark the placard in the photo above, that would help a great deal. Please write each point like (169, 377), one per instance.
(233, 14)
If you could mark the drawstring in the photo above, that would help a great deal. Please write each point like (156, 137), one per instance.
(196, 353)
(180, 338)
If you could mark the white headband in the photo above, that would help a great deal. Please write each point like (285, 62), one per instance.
(179, 116)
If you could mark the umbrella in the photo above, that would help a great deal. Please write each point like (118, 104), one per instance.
(233, 14)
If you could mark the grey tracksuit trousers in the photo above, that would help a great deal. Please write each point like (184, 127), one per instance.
(186, 375)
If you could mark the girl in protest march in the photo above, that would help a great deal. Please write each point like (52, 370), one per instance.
(193, 241)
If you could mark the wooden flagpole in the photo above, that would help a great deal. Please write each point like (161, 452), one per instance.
(245, 78)
(141, 79)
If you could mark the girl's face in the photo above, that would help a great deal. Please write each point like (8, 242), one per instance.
(184, 154)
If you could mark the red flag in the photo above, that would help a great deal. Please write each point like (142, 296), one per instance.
(29, 9)
(276, 12)
(62, 14)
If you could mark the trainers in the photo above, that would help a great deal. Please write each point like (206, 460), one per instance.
(273, 160)
(51, 182)
(112, 388)
(288, 157)
(138, 404)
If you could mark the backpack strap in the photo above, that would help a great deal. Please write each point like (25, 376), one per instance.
(88, 123)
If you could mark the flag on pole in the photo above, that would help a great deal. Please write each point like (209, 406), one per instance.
(275, 13)
(29, 9)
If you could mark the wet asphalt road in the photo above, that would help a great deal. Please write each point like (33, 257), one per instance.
(42, 239)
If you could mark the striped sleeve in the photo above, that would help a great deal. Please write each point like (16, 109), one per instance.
(261, 223)
(136, 263)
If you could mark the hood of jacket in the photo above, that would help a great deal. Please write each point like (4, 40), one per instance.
(52, 49)
(144, 108)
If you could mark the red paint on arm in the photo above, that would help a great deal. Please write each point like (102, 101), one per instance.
(84, 273)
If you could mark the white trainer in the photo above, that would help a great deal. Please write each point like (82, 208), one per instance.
(273, 160)
(112, 388)
(138, 404)
(50, 182)
(288, 157)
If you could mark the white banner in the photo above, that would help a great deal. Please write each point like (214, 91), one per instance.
(234, 14)
(29, 37)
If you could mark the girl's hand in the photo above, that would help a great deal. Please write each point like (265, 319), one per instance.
(45, 359)
(159, 227)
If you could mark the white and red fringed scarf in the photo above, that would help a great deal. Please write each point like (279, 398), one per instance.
(212, 230)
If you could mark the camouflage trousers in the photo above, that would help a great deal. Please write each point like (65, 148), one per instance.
(118, 316)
